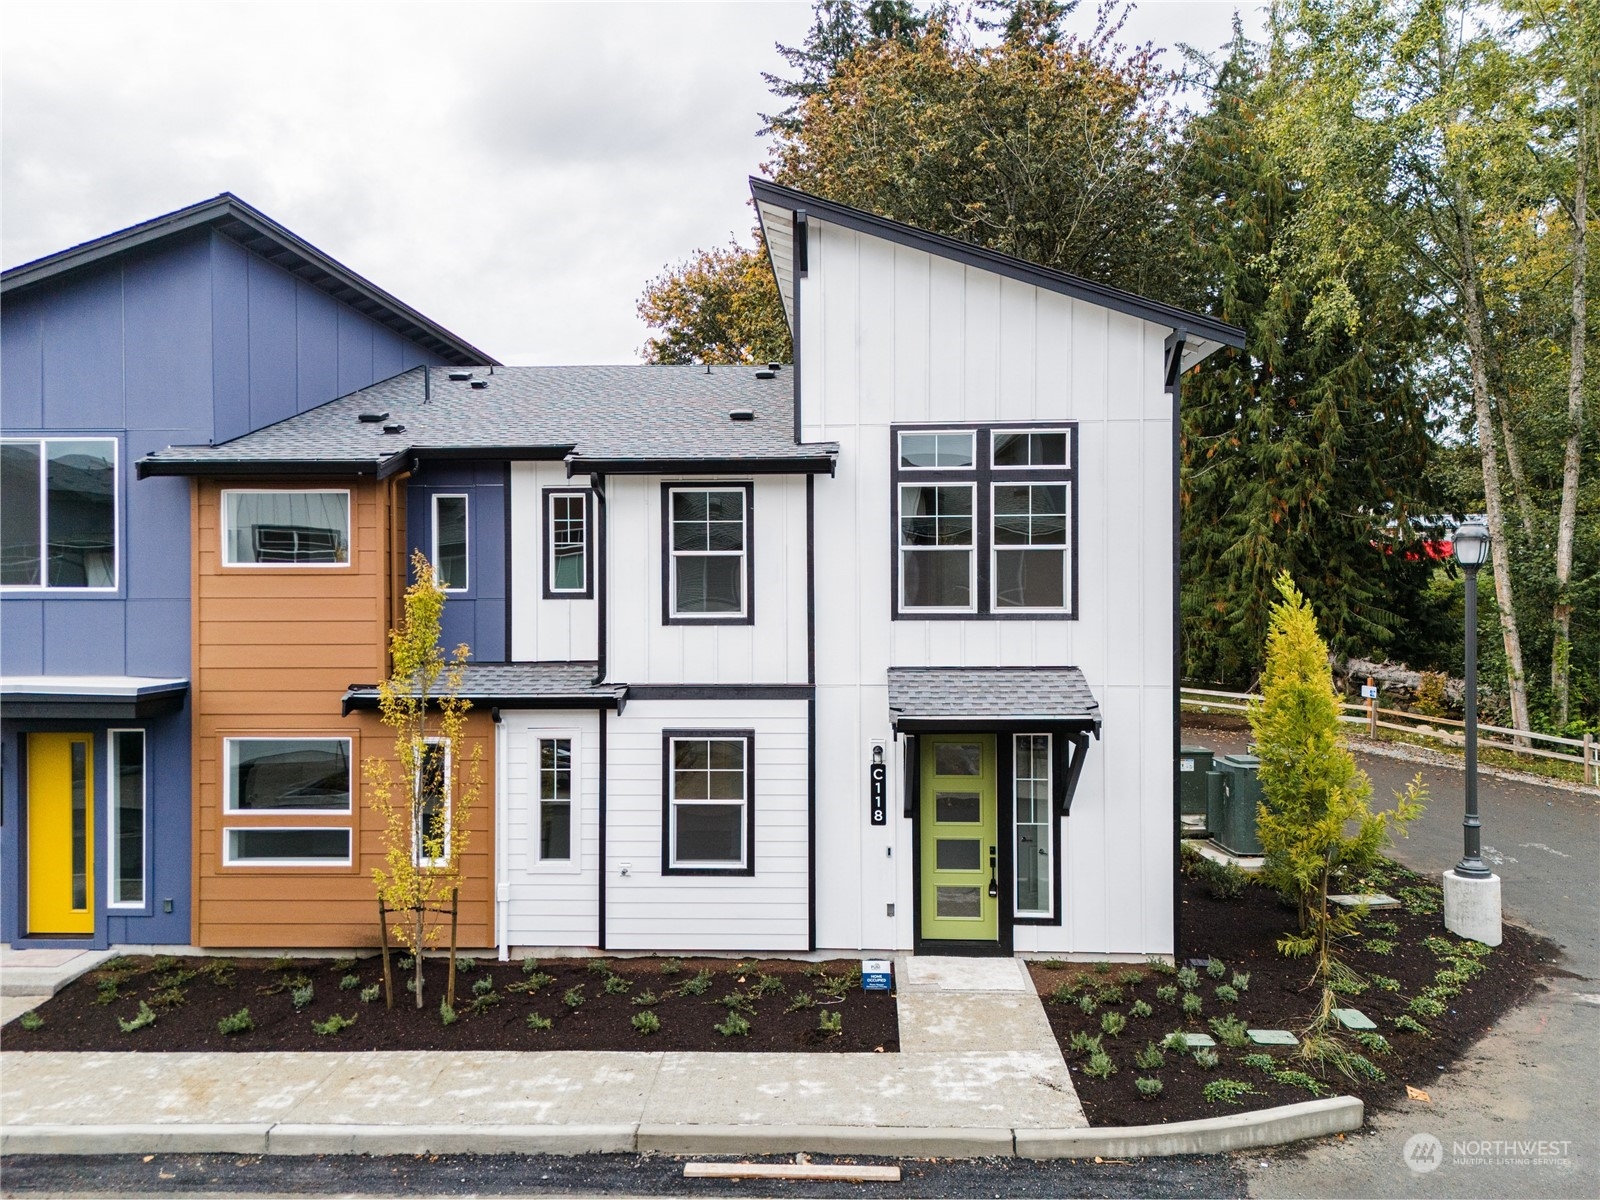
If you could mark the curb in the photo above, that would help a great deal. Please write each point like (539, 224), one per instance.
(1212, 1135)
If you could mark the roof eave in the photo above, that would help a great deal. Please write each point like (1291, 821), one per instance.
(789, 465)
(147, 468)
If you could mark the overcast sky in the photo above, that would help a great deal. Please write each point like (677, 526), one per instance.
(517, 171)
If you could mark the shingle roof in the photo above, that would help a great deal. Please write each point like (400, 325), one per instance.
(606, 416)
(540, 684)
(991, 694)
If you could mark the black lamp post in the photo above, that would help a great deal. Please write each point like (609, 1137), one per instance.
(1471, 547)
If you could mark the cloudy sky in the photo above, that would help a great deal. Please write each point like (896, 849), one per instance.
(517, 171)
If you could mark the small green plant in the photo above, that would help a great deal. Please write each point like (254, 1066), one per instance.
(646, 999)
(1140, 1009)
(1409, 1024)
(801, 1000)
(482, 985)
(1381, 946)
(301, 996)
(616, 985)
(1420, 901)
(734, 1026)
(672, 966)
(1176, 1040)
(1472, 949)
(1347, 985)
(406, 962)
(32, 1021)
(282, 963)
(814, 971)
(835, 986)
(1241, 981)
(1387, 928)
(1215, 968)
(737, 1001)
(1226, 993)
(697, 984)
(1384, 983)
(1192, 1004)
(1102, 968)
(1148, 1088)
(1226, 1091)
(466, 966)
(1100, 1065)
(1167, 993)
(175, 979)
(341, 966)
(369, 994)
(646, 1023)
(1161, 966)
(484, 1001)
(108, 990)
(532, 983)
(1083, 1043)
(1467, 968)
(1062, 995)
(1150, 1058)
(1087, 1004)
(598, 966)
(1262, 1062)
(1188, 978)
(171, 997)
(334, 1024)
(1206, 1058)
(1374, 1042)
(573, 997)
(529, 964)
(1300, 1080)
(1054, 964)
(1113, 1023)
(1230, 1031)
(1426, 1006)
(349, 983)
(411, 985)
(447, 1015)
(830, 1022)
(1130, 978)
(539, 1023)
(1108, 993)
(145, 1017)
(766, 985)
(743, 968)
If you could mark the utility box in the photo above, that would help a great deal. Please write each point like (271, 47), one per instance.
(1213, 800)
(1235, 825)
(1193, 763)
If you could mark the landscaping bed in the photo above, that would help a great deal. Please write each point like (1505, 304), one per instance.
(572, 1004)
(1231, 943)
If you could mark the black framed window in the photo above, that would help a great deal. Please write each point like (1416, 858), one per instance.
(985, 521)
(450, 542)
(706, 554)
(708, 805)
(569, 546)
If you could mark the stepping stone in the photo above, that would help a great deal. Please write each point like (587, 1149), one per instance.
(1196, 1040)
(1354, 1018)
(1273, 1037)
(1370, 899)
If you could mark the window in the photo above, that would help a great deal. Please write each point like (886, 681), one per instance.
(984, 523)
(430, 844)
(285, 529)
(706, 556)
(1035, 828)
(287, 775)
(58, 513)
(325, 847)
(555, 799)
(567, 558)
(709, 818)
(450, 542)
(127, 825)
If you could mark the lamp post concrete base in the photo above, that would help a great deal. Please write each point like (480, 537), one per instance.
(1472, 907)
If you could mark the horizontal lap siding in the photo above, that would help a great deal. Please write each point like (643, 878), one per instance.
(649, 911)
(274, 651)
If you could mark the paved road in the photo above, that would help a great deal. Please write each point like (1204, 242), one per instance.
(1538, 1076)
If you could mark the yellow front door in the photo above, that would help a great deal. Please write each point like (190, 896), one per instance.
(60, 833)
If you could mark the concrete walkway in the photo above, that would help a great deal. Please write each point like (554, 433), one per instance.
(977, 1063)
(30, 977)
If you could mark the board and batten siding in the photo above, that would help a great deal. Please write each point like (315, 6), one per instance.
(767, 910)
(548, 903)
(274, 651)
(895, 335)
(641, 649)
(545, 630)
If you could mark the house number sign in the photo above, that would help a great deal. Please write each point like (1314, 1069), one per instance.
(878, 787)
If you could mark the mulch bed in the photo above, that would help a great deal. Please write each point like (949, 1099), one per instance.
(1241, 934)
(191, 995)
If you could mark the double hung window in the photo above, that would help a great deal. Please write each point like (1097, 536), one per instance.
(450, 542)
(984, 521)
(708, 812)
(567, 561)
(707, 554)
(277, 778)
(286, 529)
(58, 513)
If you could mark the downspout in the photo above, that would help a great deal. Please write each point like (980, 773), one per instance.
(1174, 388)
(597, 484)
(604, 715)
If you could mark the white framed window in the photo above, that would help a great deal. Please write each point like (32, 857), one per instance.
(707, 802)
(1013, 448)
(285, 528)
(937, 449)
(556, 765)
(706, 557)
(450, 542)
(430, 841)
(286, 775)
(126, 832)
(1031, 567)
(567, 550)
(306, 846)
(58, 513)
(1035, 828)
(936, 547)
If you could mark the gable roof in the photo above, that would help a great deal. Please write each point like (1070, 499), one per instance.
(778, 205)
(601, 419)
(265, 238)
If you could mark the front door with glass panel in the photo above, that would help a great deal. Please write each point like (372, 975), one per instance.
(60, 833)
(960, 900)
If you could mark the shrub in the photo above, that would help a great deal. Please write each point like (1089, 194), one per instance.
(835, 986)
(800, 1001)
(1176, 1040)
(1300, 1080)
(1054, 964)
(1131, 978)
(482, 985)
(1241, 981)
(1108, 993)
(340, 966)
(175, 979)
(737, 1001)
(696, 985)
(766, 985)
(1062, 994)
(1188, 978)
(301, 996)
(616, 985)
(484, 1001)
(1140, 1009)
(334, 1024)
(646, 1023)
(1102, 968)
(1223, 881)
(145, 1017)
(1084, 1043)
(1380, 946)
(1409, 1024)
(219, 971)
(539, 1023)
(1346, 985)
(170, 997)
(1100, 1065)
(1226, 1091)
(1161, 966)
(447, 1015)
(349, 983)
(598, 966)
(32, 1021)
(369, 994)
(1192, 1004)
(1375, 1042)
(1215, 968)
(1420, 901)
(646, 999)
(1149, 1058)
(108, 990)
(530, 964)
(1087, 1004)
(466, 966)
(734, 1026)
(532, 983)
(405, 962)
(1113, 1023)
(1149, 1089)
(672, 966)
(1226, 993)
(1426, 1006)
(1167, 992)
(1206, 1058)
(282, 963)
(573, 997)
(830, 1022)
(1230, 1031)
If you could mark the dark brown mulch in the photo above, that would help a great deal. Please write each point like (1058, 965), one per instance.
(73, 1020)
(1242, 934)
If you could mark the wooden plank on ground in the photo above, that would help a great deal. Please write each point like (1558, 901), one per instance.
(852, 1173)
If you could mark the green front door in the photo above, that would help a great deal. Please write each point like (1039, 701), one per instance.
(958, 840)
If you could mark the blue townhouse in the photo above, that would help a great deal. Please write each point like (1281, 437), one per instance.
(190, 329)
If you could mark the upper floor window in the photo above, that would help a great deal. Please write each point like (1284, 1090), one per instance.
(567, 553)
(58, 513)
(282, 528)
(450, 542)
(984, 521)
(706, 556)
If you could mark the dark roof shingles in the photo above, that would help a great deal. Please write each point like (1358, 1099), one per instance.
(996, 693)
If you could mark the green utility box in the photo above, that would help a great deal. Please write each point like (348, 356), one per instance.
(1234, 825)
(1193, 763)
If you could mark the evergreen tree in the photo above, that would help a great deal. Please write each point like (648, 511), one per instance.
(838, 29)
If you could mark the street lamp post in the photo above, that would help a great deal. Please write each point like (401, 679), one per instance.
(1471, 890)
